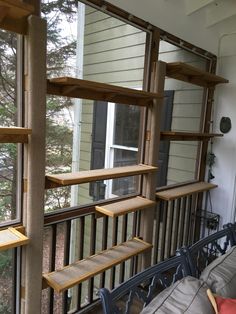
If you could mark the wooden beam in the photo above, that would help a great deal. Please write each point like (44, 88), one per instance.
(71, 275)
(124, 207)
(187, 73)
(14, 135)
(11, 238)
(77, 88)
(185, 190)
(187, 136)
(66, 179)
(13, 15)
(34, 164)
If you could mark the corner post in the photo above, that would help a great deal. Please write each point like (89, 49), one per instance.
(35, 113)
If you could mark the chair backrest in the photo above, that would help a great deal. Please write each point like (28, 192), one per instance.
(203, 252)
(232, 227)
(132, 295)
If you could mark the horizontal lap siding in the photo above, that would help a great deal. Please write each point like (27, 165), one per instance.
(186, 115)
(113, 53)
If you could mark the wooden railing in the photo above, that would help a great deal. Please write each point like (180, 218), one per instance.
(74, 239)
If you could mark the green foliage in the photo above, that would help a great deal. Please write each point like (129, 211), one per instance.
(6, 281)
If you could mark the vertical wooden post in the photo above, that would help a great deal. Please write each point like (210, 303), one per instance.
(151, 153)
(34, 208)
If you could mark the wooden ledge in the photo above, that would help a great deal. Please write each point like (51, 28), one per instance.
(73, 274)
(77, 88)
(187, 73)
(10, 238)
(174, 193)
(13, 15)
(124, 207)
(14, 135)
(64, 179)
(187, 136)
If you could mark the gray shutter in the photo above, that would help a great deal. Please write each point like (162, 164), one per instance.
(165, 145)
(97, 189)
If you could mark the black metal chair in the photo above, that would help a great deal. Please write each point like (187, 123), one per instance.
(203, 252)
(139, 290)
(134, 294)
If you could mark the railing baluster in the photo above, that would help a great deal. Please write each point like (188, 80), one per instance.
(114, 242)
(104, 247)
(81, 255)
(175, 232)
(164, 209)
(181, 222)
(156, 234)
(66, 261)
(93, 230)
(123, 239)
(171, 206)
(52, 265)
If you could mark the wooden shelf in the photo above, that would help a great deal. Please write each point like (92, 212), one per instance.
(125, 207)
(73, 274)
(185, 190)
(186, 136)
(72, 87)
(10, 238)
(13, 15)
(64, 179)
(187, 73)
(14, 135)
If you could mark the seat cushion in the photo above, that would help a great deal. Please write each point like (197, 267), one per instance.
(220, 275)
(187, 295)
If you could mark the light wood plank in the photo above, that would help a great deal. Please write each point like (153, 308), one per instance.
(10, 238)
(73, 274)
(186, 136)
(14, 135)
(185, 190)
(65, 179)
(15, 15)
(72, 87)
(125, 207)
(187, 73)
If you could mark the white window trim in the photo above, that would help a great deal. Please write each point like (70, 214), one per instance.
(110, 147)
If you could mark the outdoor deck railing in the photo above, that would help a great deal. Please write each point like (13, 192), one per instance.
(83, 235)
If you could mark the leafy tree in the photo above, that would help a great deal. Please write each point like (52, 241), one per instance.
(60, 51)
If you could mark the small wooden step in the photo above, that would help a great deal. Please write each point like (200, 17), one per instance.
(77, 88)
(185, 190)
(187, 136)
(187, 73)
(73, 274)
(64, 179)
(124, 207)
(10, 238)
(13, 15)
(14, 135)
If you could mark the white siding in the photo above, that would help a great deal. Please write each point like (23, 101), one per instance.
(113, 53)
(187, 109)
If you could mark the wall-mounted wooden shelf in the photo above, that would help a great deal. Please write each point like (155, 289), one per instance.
(10, 238)
(124, 207)
(187, 136)
(171, 194)
(13, 15)
(14, 135)
(71, 87)
(64, 179)
(187, 73)
(73, 274)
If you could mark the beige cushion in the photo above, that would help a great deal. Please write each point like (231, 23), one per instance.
(220, 275)
(187, 295)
